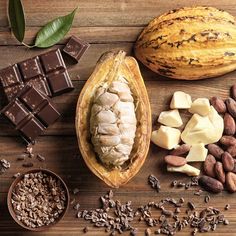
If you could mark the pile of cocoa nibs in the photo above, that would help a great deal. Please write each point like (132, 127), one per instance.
(220, 164)
(160, 217)
(38, 199)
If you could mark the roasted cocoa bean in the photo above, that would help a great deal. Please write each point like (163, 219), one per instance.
(227, 161)
(218, 104)
(228, 140)
(230, 181)
(211, 184)
(219, 171)
(229, 124)
(231, 106)
(232, 150)
(233, 91)
(182, 149)
(175, 160)
(208, 166)
(215, 150)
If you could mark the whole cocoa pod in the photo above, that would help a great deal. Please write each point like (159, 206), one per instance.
(215, 150)
(230, 181)
(229, 124)
(208, 166)
(231, 106)
(211, 184)
(219, 171)
(218, 104)
(227, 161)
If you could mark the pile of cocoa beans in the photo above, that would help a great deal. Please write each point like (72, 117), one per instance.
(220, 165)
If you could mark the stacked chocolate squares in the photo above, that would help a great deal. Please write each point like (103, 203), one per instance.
(28, 86)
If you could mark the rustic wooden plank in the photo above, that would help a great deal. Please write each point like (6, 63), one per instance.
(61, 157)
(160, 92)
(105, 13)
(90, 34)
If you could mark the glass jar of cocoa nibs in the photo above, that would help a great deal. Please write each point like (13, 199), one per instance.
(38, 199)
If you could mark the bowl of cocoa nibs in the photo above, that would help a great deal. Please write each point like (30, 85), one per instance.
(38, 199)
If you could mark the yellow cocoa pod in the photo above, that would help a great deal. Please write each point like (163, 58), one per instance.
(189, 43)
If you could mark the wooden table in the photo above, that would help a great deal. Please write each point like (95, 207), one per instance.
(106, 25)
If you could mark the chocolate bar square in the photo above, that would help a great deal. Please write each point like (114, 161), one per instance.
(31, 68)
(16, 112)
(76, 48)
(60, 83)
(10, 76)
(11, 92)
(31, 129)
(44, 116)
(52, 61)
(30, 112)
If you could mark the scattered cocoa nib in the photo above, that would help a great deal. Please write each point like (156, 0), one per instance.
(28, 164)
(227, 207)
(16, 175)
(207, 198)
(21, 157)
(29, 150)
(154, 182)
(40, 158)
(75, 191)
(38, 199)
(119, 217)
(4, 165)
(192, 183)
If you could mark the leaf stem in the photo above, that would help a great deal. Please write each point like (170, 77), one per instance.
(28, 46)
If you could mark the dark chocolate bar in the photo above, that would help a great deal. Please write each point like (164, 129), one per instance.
(46, 72)
(31, 112)
(76, 48)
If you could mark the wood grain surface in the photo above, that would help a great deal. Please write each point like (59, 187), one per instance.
(106, 24)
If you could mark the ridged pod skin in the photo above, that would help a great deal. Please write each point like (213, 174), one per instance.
(189, 43)
(108, 67)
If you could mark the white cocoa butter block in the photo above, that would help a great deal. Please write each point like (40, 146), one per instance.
(170, 118)
(203, 129)
(166, 137)
(180, 100)
(186, 169)
(200, 106)
(197, 152)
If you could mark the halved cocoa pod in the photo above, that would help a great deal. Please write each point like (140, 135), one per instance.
(114, 97)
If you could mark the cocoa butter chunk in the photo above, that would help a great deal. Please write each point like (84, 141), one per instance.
(197, 152)
(211, 184)
(166, 137)
(186, 169)
(180, 100)
(200, 106)
(170, 118)
(203, 129)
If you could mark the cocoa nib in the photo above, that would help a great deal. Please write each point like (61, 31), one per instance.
(154, 182)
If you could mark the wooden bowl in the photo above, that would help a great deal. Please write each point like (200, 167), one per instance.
(12, 212)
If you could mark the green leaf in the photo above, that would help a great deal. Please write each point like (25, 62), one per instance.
(54, 31)
(17, 19)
